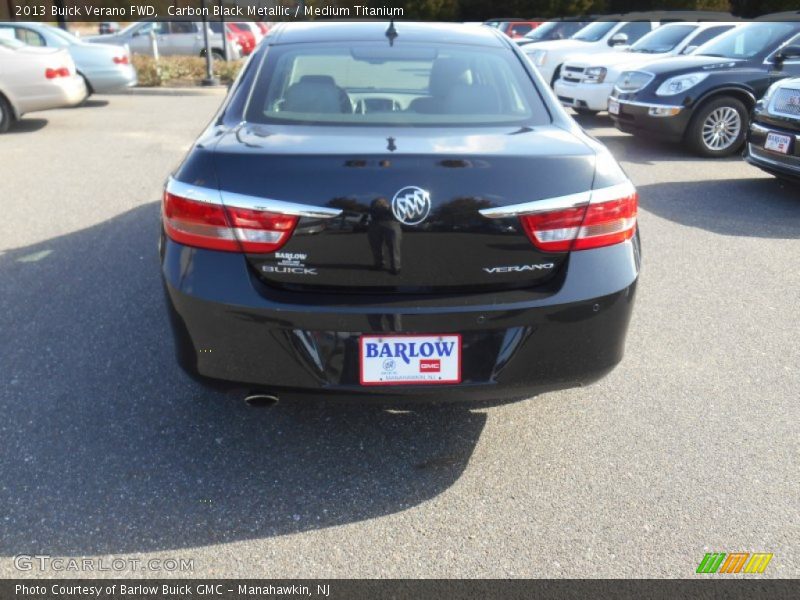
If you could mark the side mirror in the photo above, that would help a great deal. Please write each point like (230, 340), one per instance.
(618, 39)
(787, 53)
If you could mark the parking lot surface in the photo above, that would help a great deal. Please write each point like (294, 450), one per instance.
(107, 450)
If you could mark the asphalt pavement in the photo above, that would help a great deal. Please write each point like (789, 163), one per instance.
(691, 445)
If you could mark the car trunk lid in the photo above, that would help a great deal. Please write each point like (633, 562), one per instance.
(409, 202)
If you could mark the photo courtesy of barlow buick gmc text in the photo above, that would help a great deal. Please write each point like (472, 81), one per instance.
(399, 299)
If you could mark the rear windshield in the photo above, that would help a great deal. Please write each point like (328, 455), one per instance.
(663, 39)
(555, 30)
(595, 31)
(747, 41)
(367, 83)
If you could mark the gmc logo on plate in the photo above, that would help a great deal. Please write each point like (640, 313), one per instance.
(430, 365)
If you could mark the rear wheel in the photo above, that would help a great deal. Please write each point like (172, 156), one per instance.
(718, 128)
(89, 91)
(585, 111)
(6, 116)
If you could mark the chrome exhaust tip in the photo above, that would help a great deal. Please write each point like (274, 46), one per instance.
(258, 400)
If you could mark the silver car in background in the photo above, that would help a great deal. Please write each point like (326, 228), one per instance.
(104, 67)
(34, 79)
(172, 38)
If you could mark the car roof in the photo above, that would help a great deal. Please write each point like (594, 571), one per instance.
(366, 31)
(791, 15)
(678, 15)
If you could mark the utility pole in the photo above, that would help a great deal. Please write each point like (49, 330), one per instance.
(210, 79)
(59, 4)
(224, 31)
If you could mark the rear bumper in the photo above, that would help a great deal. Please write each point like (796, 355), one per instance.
(59, 93)
(111, 79)
(593, 96)
(230, 330)
(635, 118)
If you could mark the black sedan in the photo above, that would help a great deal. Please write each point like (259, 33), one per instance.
(391, 211)
(773, 143)
(705, 99)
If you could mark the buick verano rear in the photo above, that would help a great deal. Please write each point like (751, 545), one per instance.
(397, 211)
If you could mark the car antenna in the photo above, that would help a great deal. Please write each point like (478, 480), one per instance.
(391, 33)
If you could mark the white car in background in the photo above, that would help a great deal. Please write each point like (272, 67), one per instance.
(34, 79)
(548, 57)
(610, 31)
(586, 80)
(105, 67)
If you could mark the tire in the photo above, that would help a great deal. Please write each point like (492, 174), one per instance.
(718, 128)
(217, 55)
(6, 115)
(89, 91)
(585, 111)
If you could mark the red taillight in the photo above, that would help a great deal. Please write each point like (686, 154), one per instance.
(233, 229)
(121, 60)
(259, 231)
(55, 73)
(607, 220)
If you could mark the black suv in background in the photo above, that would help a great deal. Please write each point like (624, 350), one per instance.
(705, 99)
(773, 143)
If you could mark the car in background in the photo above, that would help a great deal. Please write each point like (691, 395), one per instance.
(106, 27)
(704, 99)
(173, 38)
(513, 28)
(353, 282)
(773, 142)
(253, 28)
(33, 79)
(246, 37)
(557, 29)
(610, 32)
(104, 67)
(587, 80)
(233, 37)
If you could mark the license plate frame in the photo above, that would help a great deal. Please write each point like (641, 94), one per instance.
(421, 368)
(613, 106)
(778, 142)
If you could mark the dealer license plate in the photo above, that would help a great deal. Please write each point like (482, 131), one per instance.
(410, 359)
(778, 143)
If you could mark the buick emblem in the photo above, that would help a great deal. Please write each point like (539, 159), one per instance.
(411, 205)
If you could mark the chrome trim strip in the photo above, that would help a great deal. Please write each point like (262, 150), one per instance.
(758, 127)
(648, 104)
(538, 206)
(279, 206)
(560, 202)
(203, 194)
(193, 192)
